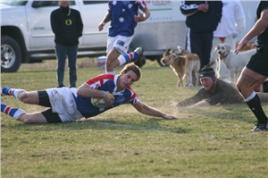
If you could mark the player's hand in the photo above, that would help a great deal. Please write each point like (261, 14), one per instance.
(108, 98)
(101, 26)
(169, 117)
(139, 18)
(203, 7)
(239, 46)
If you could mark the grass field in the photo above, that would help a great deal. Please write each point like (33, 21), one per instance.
(204, 142)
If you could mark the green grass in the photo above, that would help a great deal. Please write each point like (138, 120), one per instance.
(204, 142)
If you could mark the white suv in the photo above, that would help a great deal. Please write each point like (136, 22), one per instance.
(26, 34)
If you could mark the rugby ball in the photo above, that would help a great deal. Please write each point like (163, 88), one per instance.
(99, 103)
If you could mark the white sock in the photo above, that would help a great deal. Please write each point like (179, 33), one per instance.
(250, 97)
(122, 60)
(17, 92)
(18, 113)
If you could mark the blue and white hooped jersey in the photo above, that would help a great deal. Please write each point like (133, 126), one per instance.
(105, 82)
(122, 16)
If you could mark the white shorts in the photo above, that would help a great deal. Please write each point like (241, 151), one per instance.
(62, 102)
(121, 43)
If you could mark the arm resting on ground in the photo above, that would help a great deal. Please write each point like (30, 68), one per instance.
(150, 111)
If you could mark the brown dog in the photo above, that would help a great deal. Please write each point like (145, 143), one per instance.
(184, 64)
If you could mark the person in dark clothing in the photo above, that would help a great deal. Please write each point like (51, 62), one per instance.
(202, 20)
(214, 91)
(67, 25)
(256, 71)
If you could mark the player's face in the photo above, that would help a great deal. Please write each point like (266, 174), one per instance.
(207, 83)
(127, 79)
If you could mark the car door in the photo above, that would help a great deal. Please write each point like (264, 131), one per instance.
(92, 13)
(38, 15)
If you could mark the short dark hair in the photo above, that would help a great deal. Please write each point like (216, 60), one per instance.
(207, 72)
(132, 67)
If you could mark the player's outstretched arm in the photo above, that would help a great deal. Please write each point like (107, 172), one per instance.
(150, 111)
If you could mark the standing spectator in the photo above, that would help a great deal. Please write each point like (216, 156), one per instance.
(124, 16)
(256, 71)
(67, 26)
(202, 19)
(233, 22)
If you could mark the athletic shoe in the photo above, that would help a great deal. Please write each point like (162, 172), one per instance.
(139, 59)
(138, 52)
(260, 128)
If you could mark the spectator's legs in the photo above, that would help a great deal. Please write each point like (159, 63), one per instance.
(207, 39)
(196, 45)
(201, 44)
(61, 52)
(72, 57)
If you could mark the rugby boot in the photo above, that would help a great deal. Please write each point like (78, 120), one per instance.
(138, 57)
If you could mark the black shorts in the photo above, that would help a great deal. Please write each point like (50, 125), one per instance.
(50, 116)
(259, 62)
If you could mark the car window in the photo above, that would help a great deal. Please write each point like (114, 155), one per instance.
(38, 4)
(86, 2)
(14, 2)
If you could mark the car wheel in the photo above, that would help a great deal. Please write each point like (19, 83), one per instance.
(10, 54)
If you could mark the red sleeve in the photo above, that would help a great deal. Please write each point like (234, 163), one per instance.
(100, 79)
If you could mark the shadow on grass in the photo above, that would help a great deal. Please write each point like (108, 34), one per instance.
(151, 125)
(37, 71)
(238, 112)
